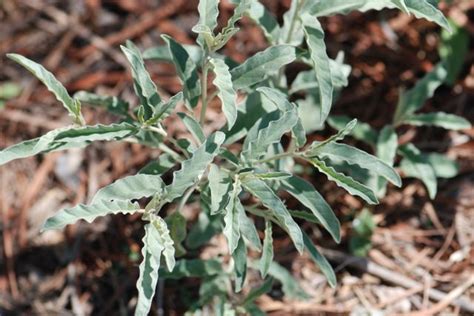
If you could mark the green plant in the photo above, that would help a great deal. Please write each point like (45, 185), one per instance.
(237, 186)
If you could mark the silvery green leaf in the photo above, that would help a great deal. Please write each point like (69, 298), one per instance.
(176, 223)
(65, 138)
(162, 53)
(247, 227)
(165, 108)
(194, 268)
(316, 147)
(208, 13)
(307, 216)
(320, 260)
(355, 156)
(148, 277)
(314, 35)
(440, 119)
(226, 92)
(165, 240)
(386, 150)
(362, 131)
(265, 194)
(186, 70)
(257, 143)
(89, 212)
(265, 20)
(419, 8)
(291, 31)
(193, 126)
(346, 182)
(273, 175)
(240, 264)
(111, 103)
(193, 168)
(47, 78)
(304, 192)
(256, 68)
(220, 185)
(280, 101)
(413, 165)
(412, 100)
(443, 166)
(232, 219)
(131, 187)
(144, 87)
(267, 253)
(159, 166)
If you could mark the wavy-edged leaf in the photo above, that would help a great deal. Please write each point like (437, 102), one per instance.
(208, 13)
(232, 220)
(111, 103)
(166, 241)
(386, 150)
(165, 108)
(267, 252)
(149, 267)
(186, 70)
(346, 182)
(415, 166)
(240, 264)
(420, 8)
(47, 78)
(320, 260)
(193, 168)
(89, 212)
(355, 156)
(65, 138)
(304, 192)
(220, 185)
(265, 194)
(257, 143)
(439, 119)
(291, 31)
(144, 87)
(317, 147)
(256, 68)
(280, 101)
(362, 131)
(193, 127)
(247, 227)
(131, 187)
(265, 20)
(412, 100)
(226, 92)
(314, 35)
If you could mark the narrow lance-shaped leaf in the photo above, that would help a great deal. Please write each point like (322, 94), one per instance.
(144, 87)
(386, 150)
(208, 13)
(346, 182)
(47, 78)
(262, 191)
(220, 185)
(65, 138)
(353, 155)
(166, 241)
(265, 20)
(340, 135)
(440, 119)
(412, 100)
(256, 68)
(193, 127)
(187, 71)
(148, 277)
(89, 212)
(193, 168)
(267, 253)
(291, 31)
(415, 166)
(254, 147)
(362, 131)
(226, 92)
(131, 187)
(111, 103)
(304, 192)
(453, 50)
(232, 220)
(320, 260)
(176, 223)
(247, 227)
(280, 101)
(165, 109)
(240, 264)
(314, 35)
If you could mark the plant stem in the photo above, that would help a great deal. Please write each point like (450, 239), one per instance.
(204, 100)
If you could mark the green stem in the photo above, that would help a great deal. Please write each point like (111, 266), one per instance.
(205, 69)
